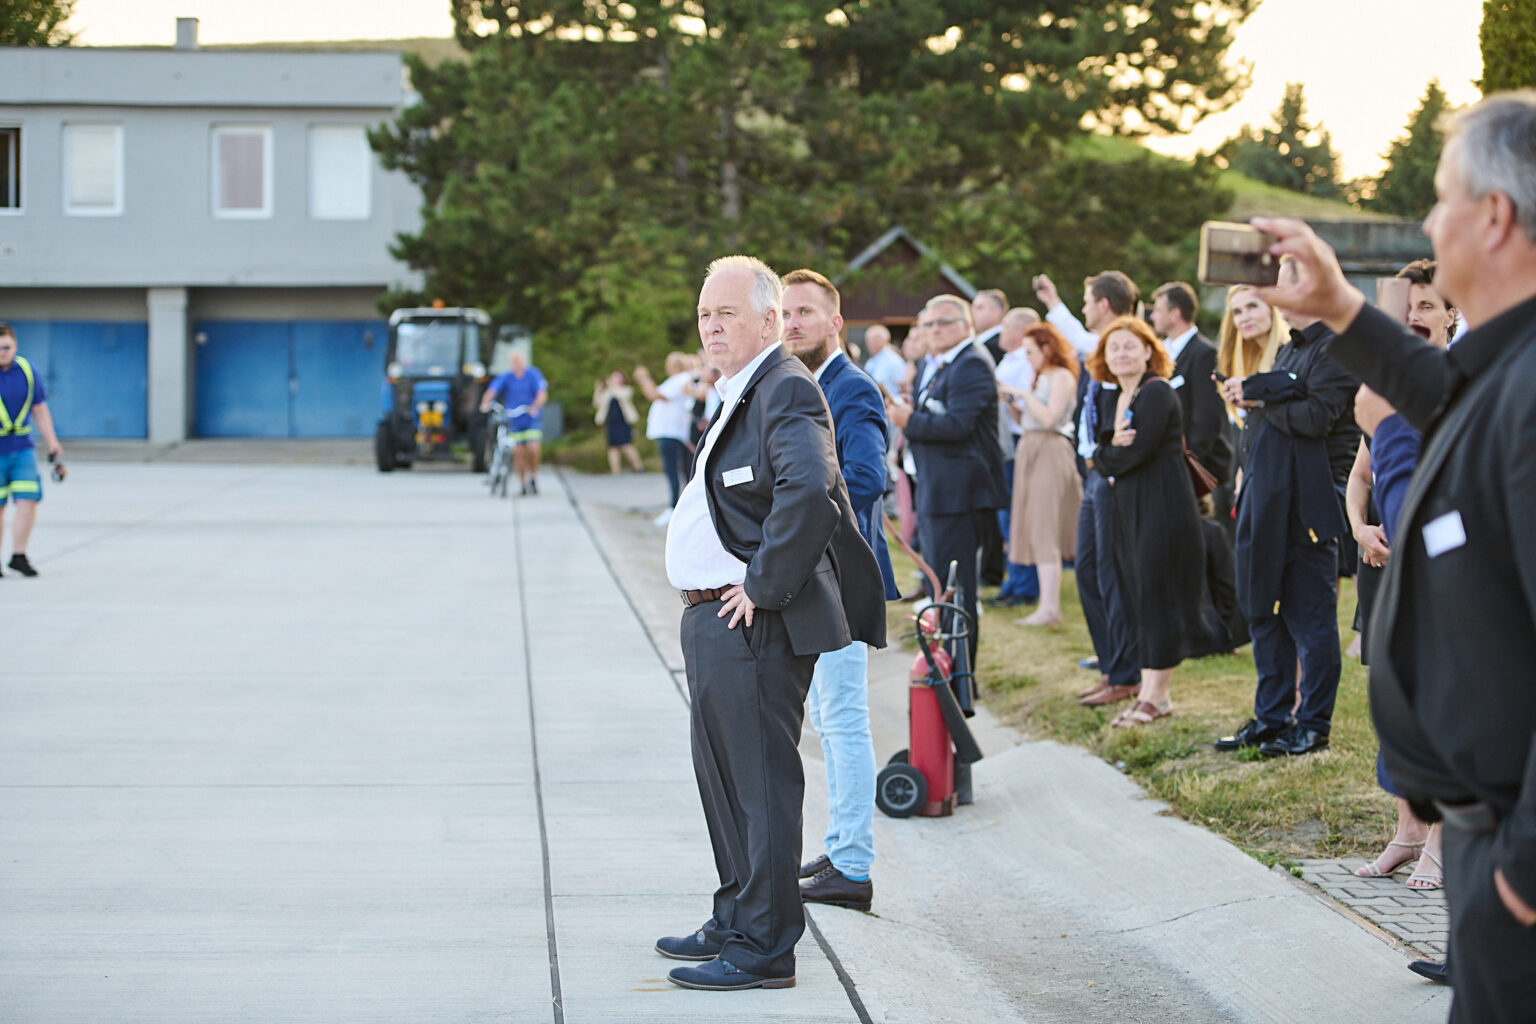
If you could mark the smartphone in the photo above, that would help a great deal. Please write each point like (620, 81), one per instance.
(1221, 378)
(1232, 253)
(1392, 297)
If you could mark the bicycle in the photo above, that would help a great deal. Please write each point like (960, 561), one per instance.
(501, 458)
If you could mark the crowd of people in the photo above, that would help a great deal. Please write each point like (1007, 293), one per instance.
(1207, 495)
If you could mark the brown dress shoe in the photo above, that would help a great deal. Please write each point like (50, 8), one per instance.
(832, 887)
(1102, 684)
(1110, 695)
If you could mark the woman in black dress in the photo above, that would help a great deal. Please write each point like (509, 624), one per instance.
(615, 405)
(1158, 548)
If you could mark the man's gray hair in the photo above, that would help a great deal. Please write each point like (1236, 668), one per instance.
(1496, 151)
(767, 289)
(961, 306)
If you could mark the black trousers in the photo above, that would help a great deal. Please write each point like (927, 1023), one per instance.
(747, 691)
(1494, 976)
(957, 539)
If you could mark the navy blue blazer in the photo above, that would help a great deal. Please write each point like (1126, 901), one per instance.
(860, 429)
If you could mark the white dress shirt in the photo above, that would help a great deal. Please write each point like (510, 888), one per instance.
(1078, 336)
(1176, 345)
(934, 362)
(1016, 372)
(696, 560)
(888, 368)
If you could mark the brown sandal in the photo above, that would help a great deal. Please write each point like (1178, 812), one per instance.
(1141, 713)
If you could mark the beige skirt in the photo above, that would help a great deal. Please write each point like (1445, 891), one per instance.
(1047, 493)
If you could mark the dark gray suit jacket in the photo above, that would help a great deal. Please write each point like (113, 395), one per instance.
(792, 522)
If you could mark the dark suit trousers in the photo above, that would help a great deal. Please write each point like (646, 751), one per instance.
(1308, 624)
(1494, 975)
(957, 539)
(747, 690)
(1098, 588)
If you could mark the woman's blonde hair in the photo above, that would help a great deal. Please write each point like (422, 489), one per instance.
(1236, 356)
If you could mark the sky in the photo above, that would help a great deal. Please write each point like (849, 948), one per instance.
(1364, 74)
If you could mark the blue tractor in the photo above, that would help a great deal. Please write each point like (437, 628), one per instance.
(434, 376)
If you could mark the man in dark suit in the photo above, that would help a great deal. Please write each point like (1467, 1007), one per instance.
(952, 430)
(1453, 634)
(838, 701)
(765, 549)
(1194, 361)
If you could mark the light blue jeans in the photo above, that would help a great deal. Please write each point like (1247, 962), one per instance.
(839, 710)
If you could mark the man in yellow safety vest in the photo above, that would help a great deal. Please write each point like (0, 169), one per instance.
(23, 404)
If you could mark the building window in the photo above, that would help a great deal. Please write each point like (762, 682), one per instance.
(340, 172)
(93, 170)
(10, 168)
(242, 171)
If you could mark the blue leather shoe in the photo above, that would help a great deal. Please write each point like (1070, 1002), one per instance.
(688, 947)
(723, 976)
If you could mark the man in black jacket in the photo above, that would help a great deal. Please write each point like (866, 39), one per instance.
(1194, 361)
(1453, 635)
(1289, 514)
(765, 549)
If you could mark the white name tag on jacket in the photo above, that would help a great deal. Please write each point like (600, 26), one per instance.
(1177, 382)
(733, 477)
(1444, 533)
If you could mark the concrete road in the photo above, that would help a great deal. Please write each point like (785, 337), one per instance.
(312, 743)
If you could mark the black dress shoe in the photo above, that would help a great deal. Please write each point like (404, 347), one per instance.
(724, 976)
(687, 947)
(1252, 734)
(832, 887)
(812, 868)
(1294, 740)
(1440, 974)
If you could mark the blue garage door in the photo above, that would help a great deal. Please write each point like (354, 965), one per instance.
(96, 373)
(287, 379)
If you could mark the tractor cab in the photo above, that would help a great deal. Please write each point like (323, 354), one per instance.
(434, 375)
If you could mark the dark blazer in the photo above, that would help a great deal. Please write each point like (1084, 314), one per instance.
(1453, 633)
(859, 428)
(1205, 415)
(792, 522)
(953, 436)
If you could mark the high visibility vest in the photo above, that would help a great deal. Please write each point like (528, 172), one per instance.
(20, 425)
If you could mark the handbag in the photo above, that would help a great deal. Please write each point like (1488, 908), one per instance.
(1201, 477)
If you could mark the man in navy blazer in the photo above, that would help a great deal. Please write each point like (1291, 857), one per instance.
(952, 430)
(839, 694)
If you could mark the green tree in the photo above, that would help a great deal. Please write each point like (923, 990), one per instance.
(1508, 40)
(588, 158)
(35, 22)
(1406, 187)
(1291, 153)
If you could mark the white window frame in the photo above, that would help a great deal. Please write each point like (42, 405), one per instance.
(114, 210)
(366, 184)
(265, 132)
(21, 185)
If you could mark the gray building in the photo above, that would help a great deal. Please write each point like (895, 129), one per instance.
(191, 241)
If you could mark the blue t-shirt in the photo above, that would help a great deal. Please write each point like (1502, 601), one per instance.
(513, 391)
(13, 392)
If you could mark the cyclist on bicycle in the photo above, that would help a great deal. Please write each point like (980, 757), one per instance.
(523, 391)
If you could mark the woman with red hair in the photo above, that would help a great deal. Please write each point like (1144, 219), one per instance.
(1047, 491)
(1158, 548)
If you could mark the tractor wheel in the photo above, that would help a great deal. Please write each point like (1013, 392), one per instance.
(900, 790)
(384, 448)
(900, 757)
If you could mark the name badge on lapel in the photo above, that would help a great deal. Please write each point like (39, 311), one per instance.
(1177, 382)
(732, 477)
(1444, 533)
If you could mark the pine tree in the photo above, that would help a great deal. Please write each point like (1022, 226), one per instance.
(1508, 41)
(1406, 188)
(1291, 154)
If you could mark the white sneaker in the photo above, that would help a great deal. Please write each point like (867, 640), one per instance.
(664, 518)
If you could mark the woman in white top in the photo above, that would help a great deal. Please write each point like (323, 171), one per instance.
(669, 418)
(1046, 488)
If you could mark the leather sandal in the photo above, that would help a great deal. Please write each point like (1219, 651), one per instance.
(1380, 868)
(1142, 713)
(1424, 879)
(1102, 684)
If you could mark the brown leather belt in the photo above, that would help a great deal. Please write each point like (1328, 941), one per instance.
(693, 597)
